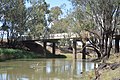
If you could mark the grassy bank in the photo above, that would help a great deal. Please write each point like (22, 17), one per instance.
(106, 73)
(6, 54)
(109, 74)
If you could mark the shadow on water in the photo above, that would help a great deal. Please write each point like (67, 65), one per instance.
(44, 69)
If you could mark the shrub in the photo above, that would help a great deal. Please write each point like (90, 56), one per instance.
(6, 53)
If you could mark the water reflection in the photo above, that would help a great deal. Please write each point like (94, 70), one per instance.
(44, 69)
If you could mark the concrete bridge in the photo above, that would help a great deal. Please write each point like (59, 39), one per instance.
(53, 38)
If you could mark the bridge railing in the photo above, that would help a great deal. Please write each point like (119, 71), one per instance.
(51, 36)
(63, 36)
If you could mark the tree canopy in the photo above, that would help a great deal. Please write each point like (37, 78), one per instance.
(105, 17)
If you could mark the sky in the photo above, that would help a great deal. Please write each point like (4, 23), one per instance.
(53, 3)
(60, 3)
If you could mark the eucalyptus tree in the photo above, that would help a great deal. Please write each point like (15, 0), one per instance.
(14, 15)
(59, 24)
(78, 23)
(17, 18)
(104, 14)
(55, 14)
(38, 21)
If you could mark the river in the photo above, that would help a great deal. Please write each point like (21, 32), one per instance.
(44, 69)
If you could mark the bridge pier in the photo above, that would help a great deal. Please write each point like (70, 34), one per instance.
(53, 47)
(83, 51)
(44, 45)
(74, 50)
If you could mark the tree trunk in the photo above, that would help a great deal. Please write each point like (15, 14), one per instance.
(2, 38)
(8, 40)
(106, 45)
(109, 48)
(116, 45)
(110, 45)
(102, 43)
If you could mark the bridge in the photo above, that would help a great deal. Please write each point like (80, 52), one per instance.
(53, 38)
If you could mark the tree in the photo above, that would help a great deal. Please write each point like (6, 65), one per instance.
(38, 21)
(104, 14)
(55, 13)
(60, 26)
(4, 28)
(56, 21)
(78, 25)
(14, 15)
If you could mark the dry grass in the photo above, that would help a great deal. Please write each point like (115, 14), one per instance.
(114, 58)
(110, 74)
(106, 74)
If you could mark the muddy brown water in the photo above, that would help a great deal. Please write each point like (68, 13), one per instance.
(44, 69)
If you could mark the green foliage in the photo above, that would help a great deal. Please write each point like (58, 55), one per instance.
(21, 20)
(55, 12)
(15, 54)
(38, 21)
(60, 26)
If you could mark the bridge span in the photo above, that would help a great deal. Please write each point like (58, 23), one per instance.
(53, 38)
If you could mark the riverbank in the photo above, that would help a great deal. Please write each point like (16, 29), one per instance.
(7, 54)
(110, 70)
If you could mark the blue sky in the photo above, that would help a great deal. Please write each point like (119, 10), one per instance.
(59, 3)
